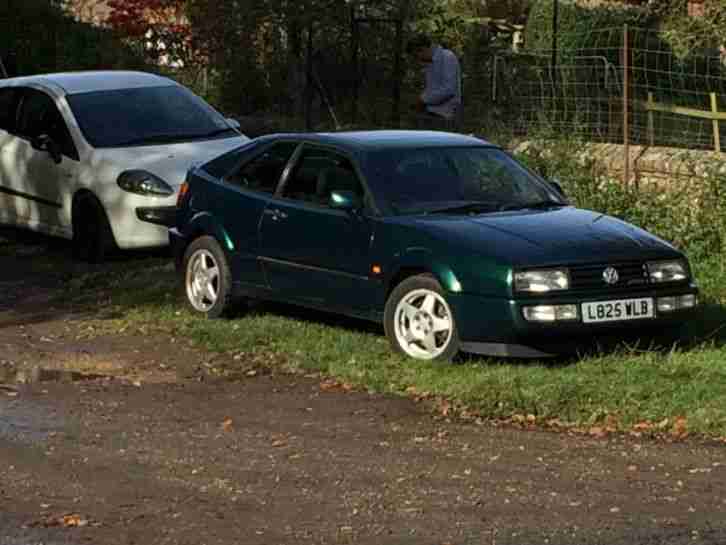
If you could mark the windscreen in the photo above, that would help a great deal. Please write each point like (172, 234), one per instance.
(414, 181)
(145, 116)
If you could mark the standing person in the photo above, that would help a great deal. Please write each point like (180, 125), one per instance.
(440, 101)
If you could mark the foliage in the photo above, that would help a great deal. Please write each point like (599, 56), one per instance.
(580, 28)
(46, 39)
(158, 28)
(691, 35)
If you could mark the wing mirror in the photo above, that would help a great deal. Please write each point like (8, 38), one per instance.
(555, 183)
(344, 200)
(232, 122)
(45, 143)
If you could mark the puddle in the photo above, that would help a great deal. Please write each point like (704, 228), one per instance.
(26, 422)
(12, 374)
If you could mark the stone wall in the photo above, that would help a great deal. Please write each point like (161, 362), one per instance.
(650, 165)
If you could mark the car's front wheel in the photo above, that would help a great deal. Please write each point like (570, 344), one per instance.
(92, 234)
(419, 322)
(207, 278)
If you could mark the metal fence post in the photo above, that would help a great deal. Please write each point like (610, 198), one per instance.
(626, 100)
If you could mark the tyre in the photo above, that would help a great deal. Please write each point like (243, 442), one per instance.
(92, 236)
(206, 277)
(419, 322)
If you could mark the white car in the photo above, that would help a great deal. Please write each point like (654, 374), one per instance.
(98, 157)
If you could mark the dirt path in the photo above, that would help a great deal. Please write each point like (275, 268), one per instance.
(163, 455)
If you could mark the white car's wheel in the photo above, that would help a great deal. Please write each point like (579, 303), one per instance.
(92, 235)
(419, 322)
(206, 276)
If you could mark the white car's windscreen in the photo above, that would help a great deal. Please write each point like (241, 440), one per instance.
(146, 116)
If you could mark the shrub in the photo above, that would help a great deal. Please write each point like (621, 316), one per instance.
(690, 213)
(596, 28)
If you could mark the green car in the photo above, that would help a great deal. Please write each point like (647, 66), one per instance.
(443, 238)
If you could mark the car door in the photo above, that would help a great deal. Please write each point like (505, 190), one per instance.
(45, 179)
(9, 159)
(237, 204)
(311, 251)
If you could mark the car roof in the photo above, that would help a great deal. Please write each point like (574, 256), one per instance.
(85, 82)
(385, 139)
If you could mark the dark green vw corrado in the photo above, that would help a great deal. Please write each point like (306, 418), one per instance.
(444, 238)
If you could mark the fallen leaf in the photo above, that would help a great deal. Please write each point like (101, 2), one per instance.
(227, 424)
(73, 520)
(680, 427)
(597, 431)
(663, 424)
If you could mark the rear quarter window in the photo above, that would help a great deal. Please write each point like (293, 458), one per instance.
(220, 166)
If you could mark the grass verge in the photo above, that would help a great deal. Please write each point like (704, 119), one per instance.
(674, 389)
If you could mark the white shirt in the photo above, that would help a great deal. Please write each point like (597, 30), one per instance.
(442, 94)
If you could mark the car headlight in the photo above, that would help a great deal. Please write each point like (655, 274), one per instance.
(144, 183)
(667, 271)
(542, 281)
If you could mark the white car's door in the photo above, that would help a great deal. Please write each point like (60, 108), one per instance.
(9, 200)
(49, 163)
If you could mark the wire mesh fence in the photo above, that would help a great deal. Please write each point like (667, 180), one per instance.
(628, 79)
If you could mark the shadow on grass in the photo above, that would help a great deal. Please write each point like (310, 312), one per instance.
(41, 281)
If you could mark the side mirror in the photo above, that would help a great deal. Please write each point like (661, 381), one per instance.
(344, 200)
(45, 143)
(558, 187)
(233, 123)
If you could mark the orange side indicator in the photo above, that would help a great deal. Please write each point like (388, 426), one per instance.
(183, 189)
(376, 269)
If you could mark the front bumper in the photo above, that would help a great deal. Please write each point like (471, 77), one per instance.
(158, 215)
(497, 326)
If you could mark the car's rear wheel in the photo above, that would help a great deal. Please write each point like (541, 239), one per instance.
(207, 278)
(419, 322)
(92, 235)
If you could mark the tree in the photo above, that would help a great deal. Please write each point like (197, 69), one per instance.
(160, 28)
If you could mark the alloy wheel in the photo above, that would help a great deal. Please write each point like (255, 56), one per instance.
(202, 280)
(423, 324)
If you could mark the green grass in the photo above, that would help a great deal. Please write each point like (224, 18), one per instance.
(620, 388)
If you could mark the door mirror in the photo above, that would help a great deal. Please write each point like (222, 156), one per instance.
(558, 187)
(45, 143)
(344, 200)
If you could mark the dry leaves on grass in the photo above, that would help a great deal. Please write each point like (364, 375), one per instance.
(332, 385)
(677, 428)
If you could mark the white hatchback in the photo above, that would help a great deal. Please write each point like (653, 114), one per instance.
(98, 157)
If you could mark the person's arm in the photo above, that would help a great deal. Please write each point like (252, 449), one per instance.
(444, 85)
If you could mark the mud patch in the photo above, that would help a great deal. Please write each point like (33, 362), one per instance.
(12, 374)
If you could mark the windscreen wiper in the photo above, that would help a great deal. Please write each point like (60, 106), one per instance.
(537, 205)
(158, 139)
(473, 206)
(217, 132)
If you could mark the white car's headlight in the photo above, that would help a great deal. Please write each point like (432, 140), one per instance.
(667, 271)
(144, 183)
(541, 281)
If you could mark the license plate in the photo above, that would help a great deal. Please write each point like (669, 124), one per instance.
(615, 311)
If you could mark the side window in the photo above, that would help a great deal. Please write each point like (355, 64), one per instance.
(7, 109)
(39, 115)
(317, 174)
(263, 172)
